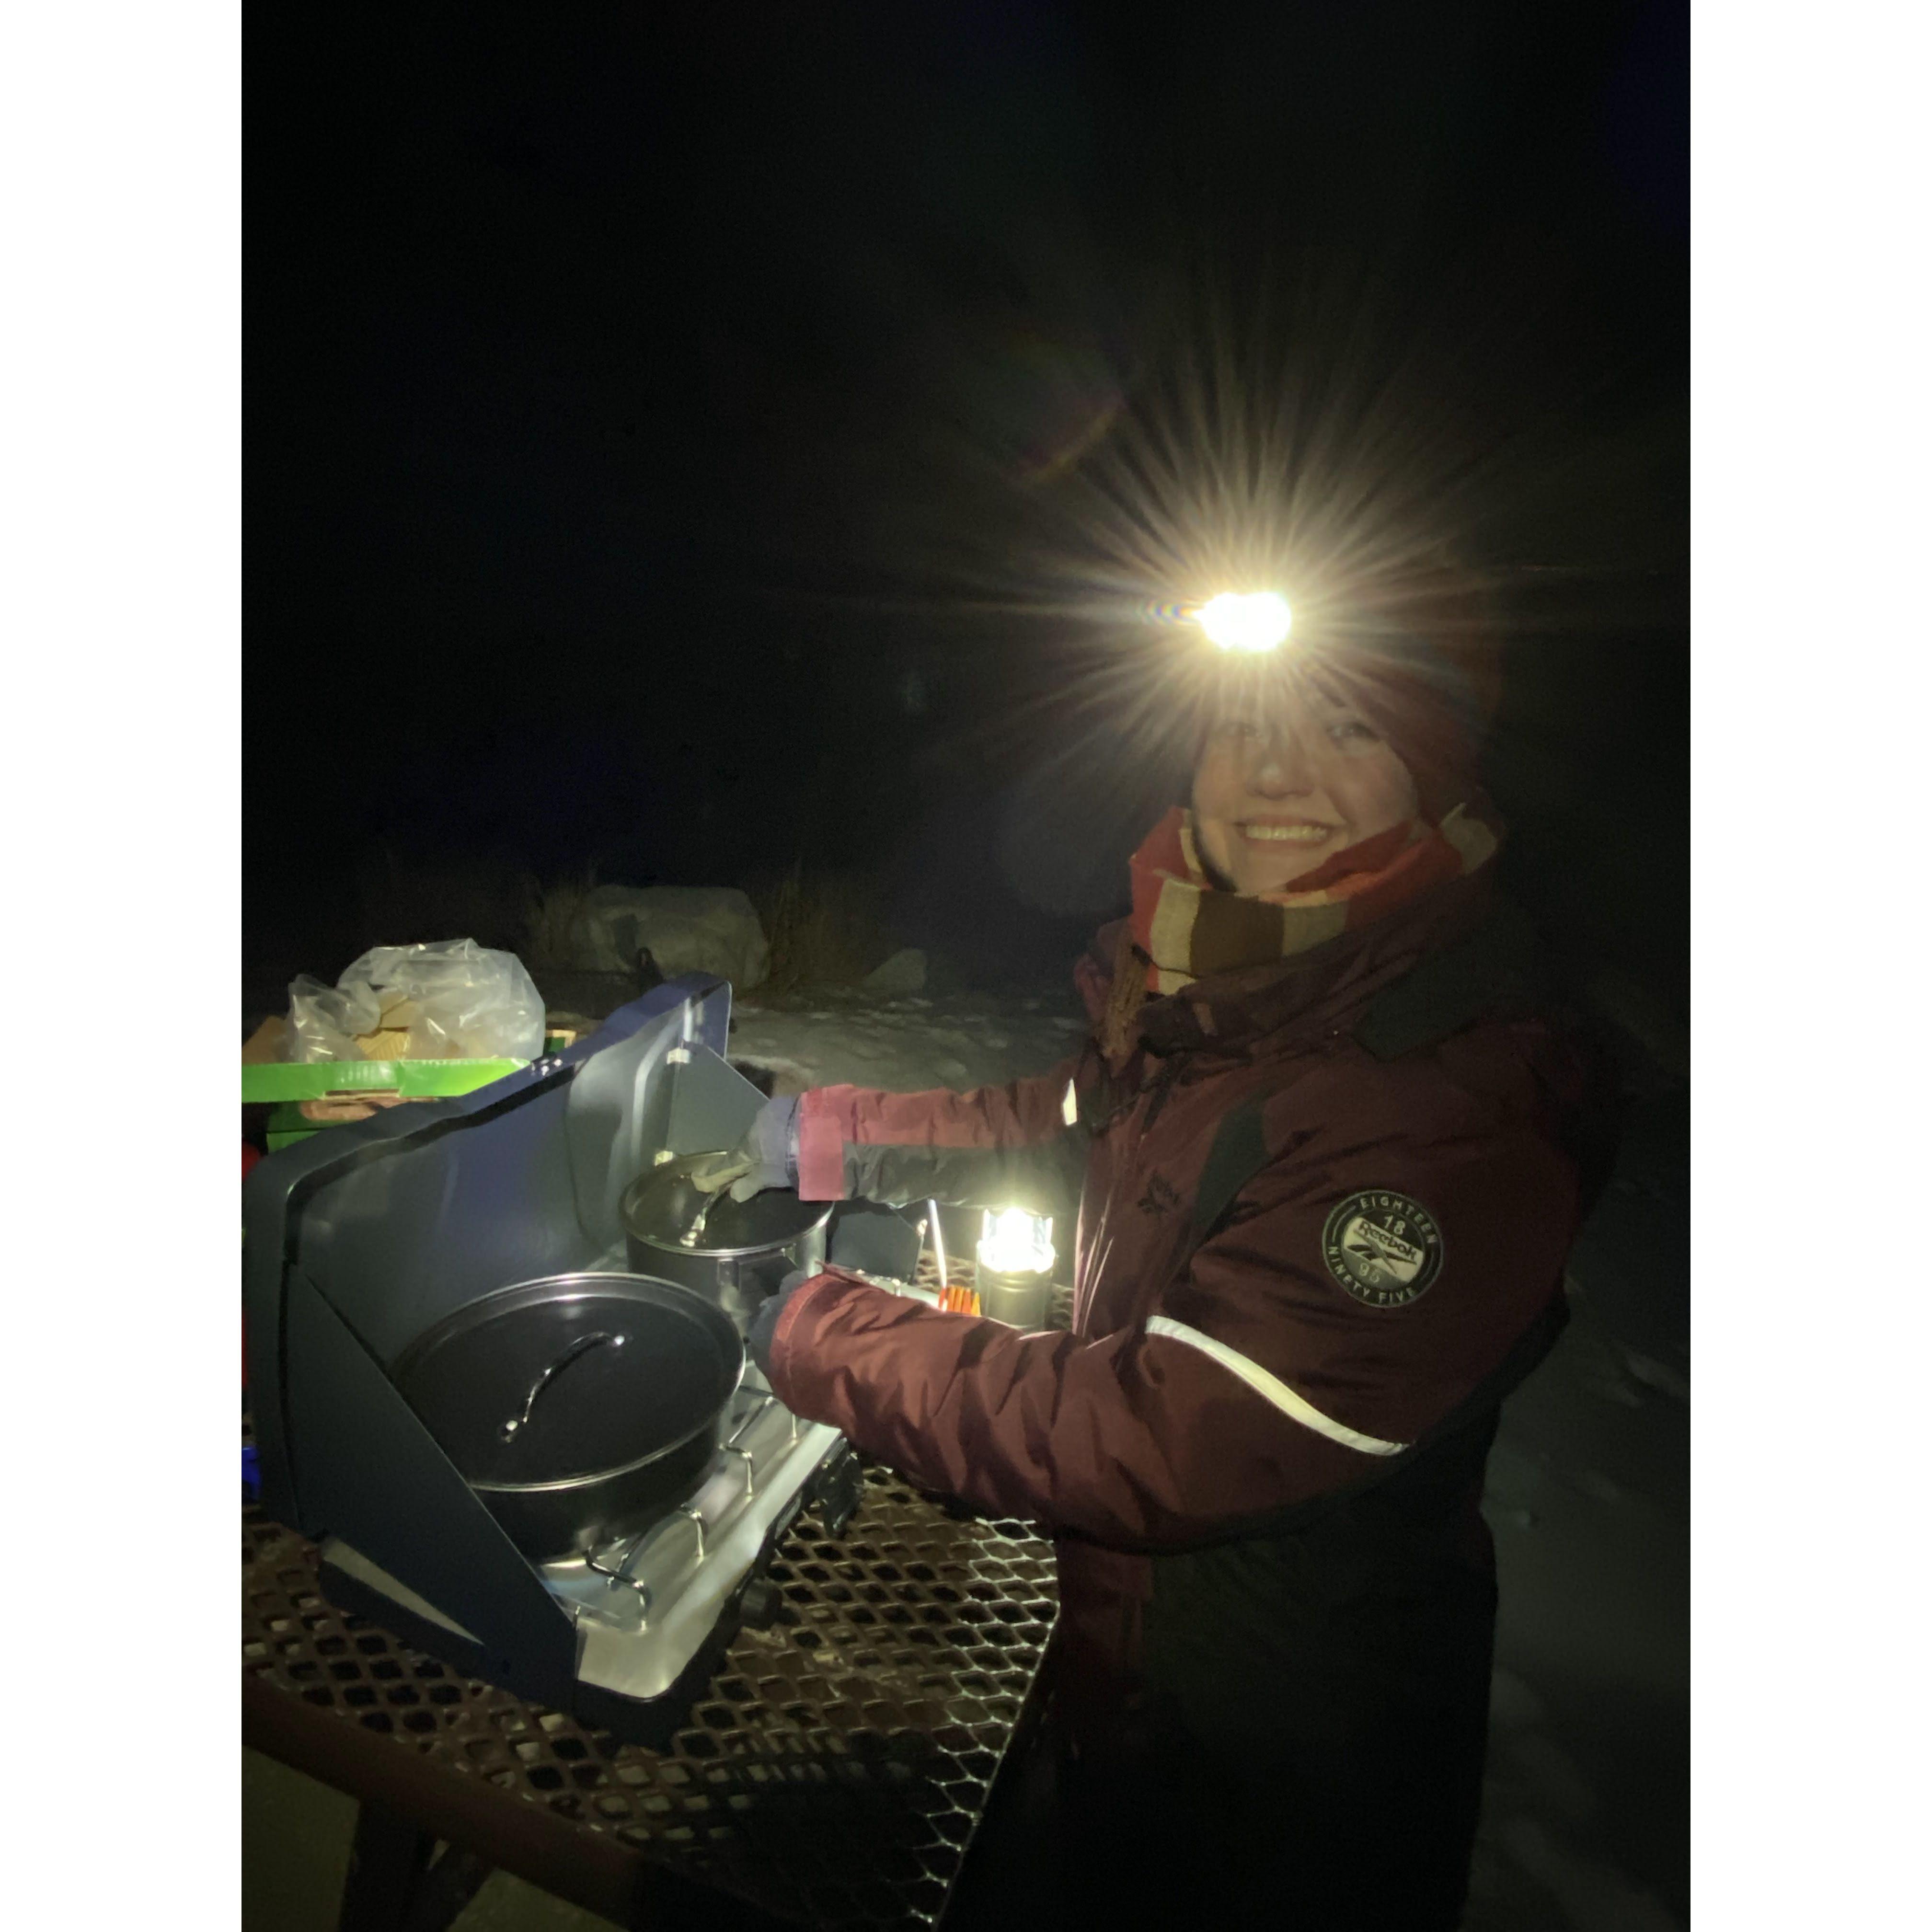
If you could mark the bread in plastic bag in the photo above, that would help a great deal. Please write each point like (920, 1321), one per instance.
(445, 999)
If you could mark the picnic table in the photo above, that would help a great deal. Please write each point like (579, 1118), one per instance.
(833, 1774)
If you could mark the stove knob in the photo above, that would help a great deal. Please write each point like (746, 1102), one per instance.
(759, 1606)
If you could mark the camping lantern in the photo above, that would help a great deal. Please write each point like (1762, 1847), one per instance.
(1016, 1266)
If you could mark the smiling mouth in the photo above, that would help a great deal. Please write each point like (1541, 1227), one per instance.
(1300, 832)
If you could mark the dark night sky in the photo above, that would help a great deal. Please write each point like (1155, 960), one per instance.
(631, 393)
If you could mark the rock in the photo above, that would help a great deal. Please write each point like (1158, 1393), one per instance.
(684, 928)
(905, 972)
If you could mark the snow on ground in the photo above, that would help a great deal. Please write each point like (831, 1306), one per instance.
(1586, 1823)
(960, 1040)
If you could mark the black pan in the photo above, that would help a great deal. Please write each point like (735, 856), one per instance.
(579, 1408)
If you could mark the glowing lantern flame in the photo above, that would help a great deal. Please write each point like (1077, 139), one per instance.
(1014, 1242)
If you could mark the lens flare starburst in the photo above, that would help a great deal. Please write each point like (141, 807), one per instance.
(1251, 621)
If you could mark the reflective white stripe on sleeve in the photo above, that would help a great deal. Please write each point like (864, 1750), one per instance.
(1070, 1106)
(1277, 1392)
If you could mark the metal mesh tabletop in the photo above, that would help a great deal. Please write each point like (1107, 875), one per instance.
(832, 1775)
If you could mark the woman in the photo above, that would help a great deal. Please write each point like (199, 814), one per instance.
(1329, 1165)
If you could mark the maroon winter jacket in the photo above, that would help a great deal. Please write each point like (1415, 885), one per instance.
(1408, 1222)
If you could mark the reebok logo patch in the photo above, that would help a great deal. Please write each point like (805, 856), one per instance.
(1383, 1248)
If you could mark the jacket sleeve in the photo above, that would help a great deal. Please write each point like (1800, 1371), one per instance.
(995, 1147)
(1259, 1380)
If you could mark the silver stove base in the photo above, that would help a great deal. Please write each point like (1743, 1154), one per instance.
(647, 1608)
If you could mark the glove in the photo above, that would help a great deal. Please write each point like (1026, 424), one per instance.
(766, 1157)
(765, 1323)
(717, 1171)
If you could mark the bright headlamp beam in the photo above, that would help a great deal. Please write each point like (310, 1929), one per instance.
(1255, 621)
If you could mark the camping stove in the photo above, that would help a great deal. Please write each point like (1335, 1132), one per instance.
(358, 1239)
(654, 1612)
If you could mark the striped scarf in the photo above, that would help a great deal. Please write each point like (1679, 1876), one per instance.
(1182, 928)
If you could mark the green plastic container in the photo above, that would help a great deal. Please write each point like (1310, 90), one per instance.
(285, 1084)
(414, 1079)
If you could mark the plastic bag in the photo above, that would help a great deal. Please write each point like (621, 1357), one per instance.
(447, 999)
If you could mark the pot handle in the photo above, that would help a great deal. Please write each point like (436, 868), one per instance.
(581, 1346)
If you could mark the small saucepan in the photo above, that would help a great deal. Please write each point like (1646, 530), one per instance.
(732, 1252)
(580, 1408)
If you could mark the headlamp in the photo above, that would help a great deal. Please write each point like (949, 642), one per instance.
(1252, 622)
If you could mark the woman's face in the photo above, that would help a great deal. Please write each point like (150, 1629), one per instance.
(1273, 800)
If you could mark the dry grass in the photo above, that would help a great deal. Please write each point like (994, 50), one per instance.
(824, 929)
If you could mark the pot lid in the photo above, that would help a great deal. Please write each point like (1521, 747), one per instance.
(569, 1379)
(661, 1204)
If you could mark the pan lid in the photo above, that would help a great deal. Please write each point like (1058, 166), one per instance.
(577, 1376)
(660, 1206)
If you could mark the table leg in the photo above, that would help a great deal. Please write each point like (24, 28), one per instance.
(447, 1887)
(397, 1883)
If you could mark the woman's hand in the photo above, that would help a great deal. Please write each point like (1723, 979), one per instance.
(764, 1324)
(766, 1157)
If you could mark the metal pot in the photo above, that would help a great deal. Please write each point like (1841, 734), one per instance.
(742, 1249)
(580, 1408)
